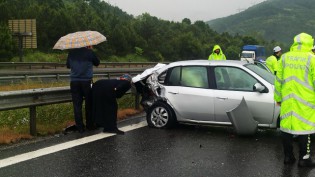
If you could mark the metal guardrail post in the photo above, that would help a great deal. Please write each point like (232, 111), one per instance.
(33, 131)
(58, 77)
(26, 78)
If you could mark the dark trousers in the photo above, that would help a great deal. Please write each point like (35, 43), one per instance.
(105, 92)
(304, 144)
(111, 117)
(81, 90)
(104, 108)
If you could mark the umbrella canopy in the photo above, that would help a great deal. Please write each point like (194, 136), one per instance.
(79, 39)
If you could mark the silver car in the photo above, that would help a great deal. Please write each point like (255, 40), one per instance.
(210, 92)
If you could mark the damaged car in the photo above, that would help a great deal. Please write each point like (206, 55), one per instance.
(210, 92)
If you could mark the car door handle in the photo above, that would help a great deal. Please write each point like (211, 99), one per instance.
(173, 92)
(222, 98)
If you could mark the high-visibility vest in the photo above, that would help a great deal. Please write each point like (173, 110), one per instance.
(272, 64)
(214, 56)
(294, 87)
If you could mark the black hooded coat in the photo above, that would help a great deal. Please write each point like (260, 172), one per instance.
(104, 106)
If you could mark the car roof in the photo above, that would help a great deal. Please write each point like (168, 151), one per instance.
(206, 62)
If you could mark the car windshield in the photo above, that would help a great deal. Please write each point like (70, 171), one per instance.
(262, 73)
(247, 55)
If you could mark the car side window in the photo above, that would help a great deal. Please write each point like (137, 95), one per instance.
(230, 78)
(222, 83)
(188, 76)
(194, 76)
(174, 77)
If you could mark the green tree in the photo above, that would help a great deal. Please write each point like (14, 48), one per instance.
(160, 40)
(186, 21)
(6, 43)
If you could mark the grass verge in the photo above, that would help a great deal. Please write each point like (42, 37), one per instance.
(50, 119)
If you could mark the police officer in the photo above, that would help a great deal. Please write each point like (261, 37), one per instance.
(294, 92)
(217, 54)
(272, 61)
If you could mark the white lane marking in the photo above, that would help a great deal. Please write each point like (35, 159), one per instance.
(59, 147)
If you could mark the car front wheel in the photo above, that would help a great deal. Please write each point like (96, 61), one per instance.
(160, 115)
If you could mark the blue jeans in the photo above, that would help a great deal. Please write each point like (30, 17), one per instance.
(81, 90)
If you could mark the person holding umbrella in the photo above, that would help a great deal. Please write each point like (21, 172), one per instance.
(80, 60)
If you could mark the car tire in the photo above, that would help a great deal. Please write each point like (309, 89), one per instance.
(161, 115)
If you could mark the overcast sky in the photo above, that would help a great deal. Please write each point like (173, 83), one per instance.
(176, 10)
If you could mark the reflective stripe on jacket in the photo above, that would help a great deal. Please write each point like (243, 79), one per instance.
(294, 87)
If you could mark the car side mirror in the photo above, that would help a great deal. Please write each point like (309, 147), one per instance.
(259, 88)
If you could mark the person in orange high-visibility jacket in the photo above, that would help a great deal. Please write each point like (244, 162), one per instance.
(217, 54)
(294, 92)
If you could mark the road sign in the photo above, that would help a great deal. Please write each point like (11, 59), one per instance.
(25, 29)
(25, 32)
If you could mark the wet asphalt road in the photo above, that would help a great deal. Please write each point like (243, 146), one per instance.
(186, 151)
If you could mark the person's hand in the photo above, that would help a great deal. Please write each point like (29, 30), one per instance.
(279, 103)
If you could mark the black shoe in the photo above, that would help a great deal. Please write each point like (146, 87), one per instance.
(116, 131)
(81, 130)
(91, 127)
(306, 163)
(119, 132)
(107, 131)
(289, 160)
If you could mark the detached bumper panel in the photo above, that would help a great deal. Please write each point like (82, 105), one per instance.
(242, 119)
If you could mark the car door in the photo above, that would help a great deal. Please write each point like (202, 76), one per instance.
(232, 85)
(187, 90)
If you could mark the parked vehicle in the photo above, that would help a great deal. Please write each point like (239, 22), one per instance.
(203, 92)
(253, 53)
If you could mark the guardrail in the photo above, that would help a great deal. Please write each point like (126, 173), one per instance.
(38, 97)
(45, 96)
(64, 73)
(55, 65)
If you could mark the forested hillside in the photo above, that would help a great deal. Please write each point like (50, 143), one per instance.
(276, 20)
(146, 35)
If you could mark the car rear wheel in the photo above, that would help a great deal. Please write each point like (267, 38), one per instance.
(160, 115)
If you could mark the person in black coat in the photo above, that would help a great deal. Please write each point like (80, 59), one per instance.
(104, 95)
